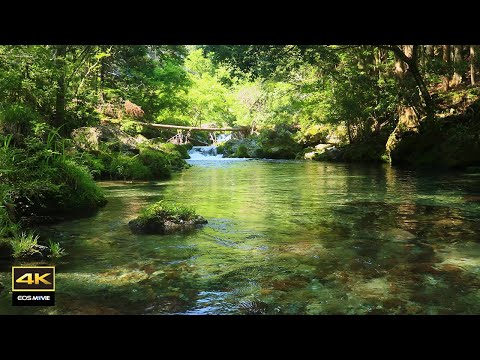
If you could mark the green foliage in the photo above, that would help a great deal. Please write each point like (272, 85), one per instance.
(24, 245)
(167, 211)
(79, 191)
(56, 251)
(17, 119)
(454, 144)
(174, 154)
(127, 167)
(156, 161)
(39, 179)
(96, 165)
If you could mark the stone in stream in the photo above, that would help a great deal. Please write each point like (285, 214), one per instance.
(397, 234)
(158, 225)
(165, 217)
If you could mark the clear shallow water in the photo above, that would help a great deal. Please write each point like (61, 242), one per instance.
(283, 237)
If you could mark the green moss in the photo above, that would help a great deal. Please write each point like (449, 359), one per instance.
(167, 211)
(449, 145)
(163, 218)
(77, 187)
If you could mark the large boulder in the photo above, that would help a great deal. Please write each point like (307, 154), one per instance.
(89, 139)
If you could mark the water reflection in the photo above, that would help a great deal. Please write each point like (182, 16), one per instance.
(284, 237)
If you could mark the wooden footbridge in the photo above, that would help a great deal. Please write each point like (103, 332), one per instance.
(184, 133)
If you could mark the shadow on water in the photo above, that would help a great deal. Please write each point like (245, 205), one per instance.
(284, 237)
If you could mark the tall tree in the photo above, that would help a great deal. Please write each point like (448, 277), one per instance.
(473, 63)
(457, 65)
(409, 55)
(61, 69)
(447, 61)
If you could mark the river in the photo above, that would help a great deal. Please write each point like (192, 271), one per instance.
(284, 237)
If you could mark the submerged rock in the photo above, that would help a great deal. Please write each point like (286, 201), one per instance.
(397, 234)
(158, 225)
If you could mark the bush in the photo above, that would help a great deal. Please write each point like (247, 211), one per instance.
(241, 152)
(156, 161)
(78, 188)
(96, 165)
(183, 150)
(42, 180)
(17, 119)
(313, 135)
(175, 154)
(128, 168)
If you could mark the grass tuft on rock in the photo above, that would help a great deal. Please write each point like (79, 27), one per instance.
(167, 211)
(24, 245)
(166, 217)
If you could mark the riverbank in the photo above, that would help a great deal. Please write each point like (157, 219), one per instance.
(48, 179)
(452, 140)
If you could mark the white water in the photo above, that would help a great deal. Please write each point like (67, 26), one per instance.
(221, 138)
(204, 153)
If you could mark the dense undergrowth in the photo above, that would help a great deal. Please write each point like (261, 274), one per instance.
(46, 178)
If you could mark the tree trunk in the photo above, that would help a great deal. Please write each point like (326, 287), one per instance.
(103, 69)
(349, 132)
(473, 63)
(399, 68)
(446, 60)
(458, 60)
(430, 50)
(60, 66)
(409, 55)
(429, 105)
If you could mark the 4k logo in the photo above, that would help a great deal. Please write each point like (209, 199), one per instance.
(38, 278)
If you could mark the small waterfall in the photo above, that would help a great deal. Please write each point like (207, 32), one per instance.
(204, 153)
(221, 138)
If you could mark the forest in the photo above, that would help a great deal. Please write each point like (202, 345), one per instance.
(81, 123)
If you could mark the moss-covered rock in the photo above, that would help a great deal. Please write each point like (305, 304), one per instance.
(111, 153)
(164, 218)
(276, 143)
(91, 138)
(450, 143)
(371, 151)
(66, 190)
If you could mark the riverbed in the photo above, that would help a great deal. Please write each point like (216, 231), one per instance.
(284, 237)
